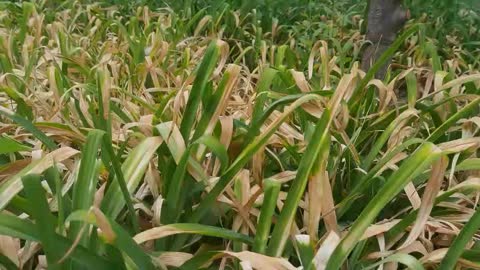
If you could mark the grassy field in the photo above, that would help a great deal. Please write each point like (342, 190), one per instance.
(237, 135)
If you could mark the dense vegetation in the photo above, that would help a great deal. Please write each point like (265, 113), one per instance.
(236, 135)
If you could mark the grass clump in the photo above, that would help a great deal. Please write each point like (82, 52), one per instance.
(228, 136)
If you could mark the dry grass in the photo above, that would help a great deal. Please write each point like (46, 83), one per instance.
(207, 140)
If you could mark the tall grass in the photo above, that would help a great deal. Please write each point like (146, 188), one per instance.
(224, 135)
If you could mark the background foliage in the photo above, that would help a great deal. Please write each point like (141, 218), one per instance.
(236, 135)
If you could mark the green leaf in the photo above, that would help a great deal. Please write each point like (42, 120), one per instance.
(457, 248)
(22, 108)
(412, 167)
(7, 263)
(263, 86)
(317, 149)
(463, 113)
(172, 206)
(26, 124)
(208, 201)
(367, 181)
(468, 164)
(217, 149)
(53, 175)
(120, 180)
(271, 189)
(305, 251)
(120, 238)
(411, 89)
(255, 126)
(23, 229)
(212, 106)
(9, 145)
(242, 159)
(204, 71)
(85, 185)
(380, 142)
(200, 259)
(44, 220)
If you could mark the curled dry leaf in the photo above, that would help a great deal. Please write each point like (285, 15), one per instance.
(10, 247)
(459, 145)
(328, 205)
(175, 259)
(97, 200)
(103, 225)
(434, 257)
(326, 250)
(157, 210)
(314, 200)
(246, 265)
(262, 262)
(159, 232)
(412, 195)
(377, 229)
(431, 190)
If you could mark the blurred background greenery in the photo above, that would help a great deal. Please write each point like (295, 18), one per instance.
(265, 96)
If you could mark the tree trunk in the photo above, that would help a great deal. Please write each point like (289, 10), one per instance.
(385, 19)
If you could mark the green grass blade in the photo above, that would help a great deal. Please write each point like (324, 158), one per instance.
(54, 176)
(433, 52)
(18, 228)
(23, 229)
(120, 180)
(22, 109)
(242, 159)
(172, 206)
(463, 113)
(305, 251)
(380, 142)
(271, 189)
(366, 181)
(200, 259)
(458, 246)
(204, 71)
(218, 149)
(85, 186)
(412, 90)
(263, 86)
(7, 263)
(114, 235)
(9, 145)
(472, 255)
(27, 125)
(173, 203)
(213, 104)
(44, 220)
(255, 126)
(316, 149)
(469, 164)
(413, 166)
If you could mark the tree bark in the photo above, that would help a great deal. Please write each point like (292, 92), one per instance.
(385, 19)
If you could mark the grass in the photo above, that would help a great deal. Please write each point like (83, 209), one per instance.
(236, 135)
